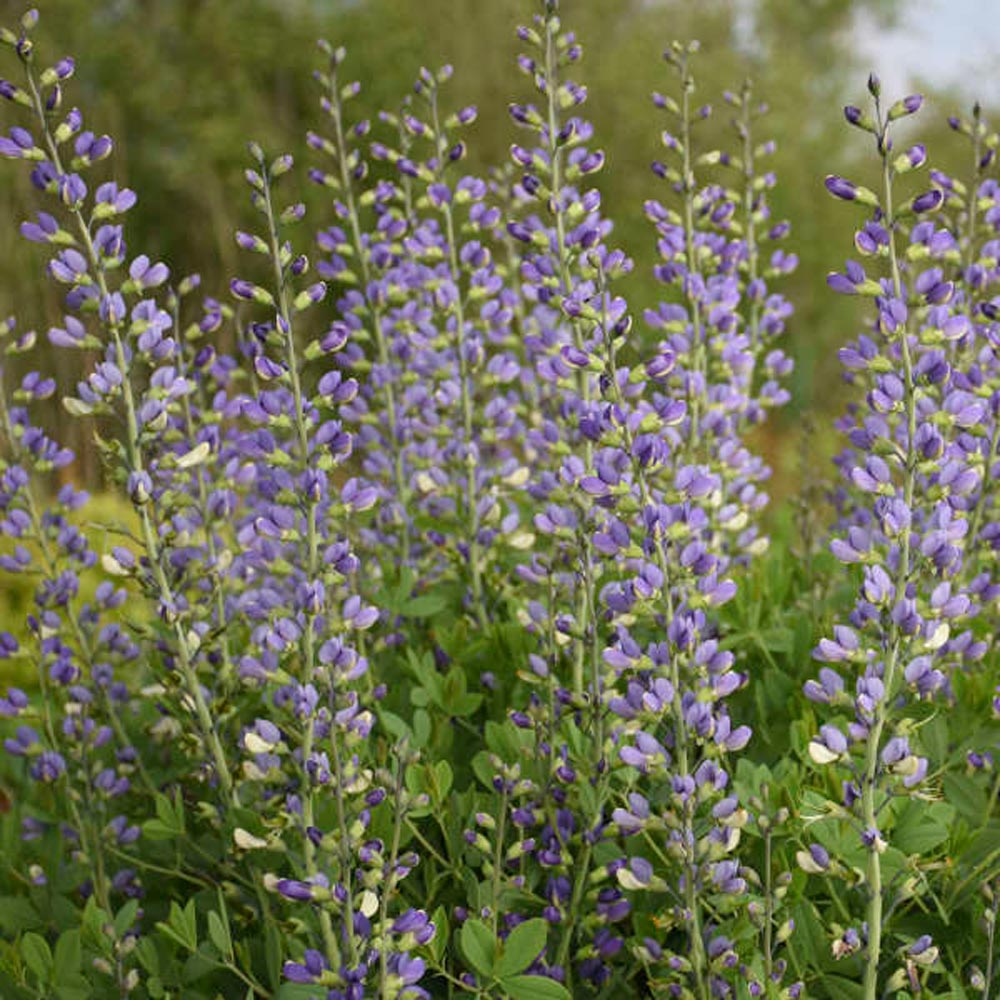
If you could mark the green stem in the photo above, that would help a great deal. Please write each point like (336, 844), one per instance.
(688, 184)
(565, 943)
(768, 911)
(377, 314)
(399, 812)
(991, 928)
(555, 151)
(248, 978)
(312, 571)
(180, 873)
(498, 862)
(432, 850)
(471, 505)
(203, 511)
(894, 639)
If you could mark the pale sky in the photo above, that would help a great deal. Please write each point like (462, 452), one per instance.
(948, 43)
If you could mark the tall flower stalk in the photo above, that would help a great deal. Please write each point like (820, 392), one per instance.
(911, 479)
(371, 256)
(92, 249)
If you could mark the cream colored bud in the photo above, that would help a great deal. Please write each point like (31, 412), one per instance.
(246, 841)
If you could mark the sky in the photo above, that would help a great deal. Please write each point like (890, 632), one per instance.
(947, 43)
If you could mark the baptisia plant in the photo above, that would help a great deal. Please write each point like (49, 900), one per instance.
(307, 668)
(696, 480)
(451, 323)
(628, 518)
(279, 445)
(136, 386)
(971, 203)
(910, 479)
(136, 382)
(973, 210)
(551, 766)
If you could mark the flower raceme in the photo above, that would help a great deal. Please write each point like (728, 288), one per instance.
(911, 473)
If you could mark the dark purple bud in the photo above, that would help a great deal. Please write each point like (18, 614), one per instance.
(292, 889)
(907, 106)
(929, 201)
(840, 187)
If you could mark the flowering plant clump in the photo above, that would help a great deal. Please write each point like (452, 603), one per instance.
(422, 654)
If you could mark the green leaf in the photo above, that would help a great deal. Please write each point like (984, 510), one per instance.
(424, 606)
(523, 946)
(535, 988)
(440, 940)
(809, 939)
(169, 821)
(191, 923)
(17, 914)
(296, 991)
(154, 829)
(78, 989)
(37, 955)
(920, 827)
(958, 991)
(93, 921)
(68, 956)
(149, 957)
(985, 845)
(465, 705)
(442, 780)
(272, 954)
(483, 769)
(218, 934)
(393, 724)
(125, 917)
(965, 794)
(934, 736)
(421, 728)
(840, 988)
(182, 926)
(170, 813)
(478, 945)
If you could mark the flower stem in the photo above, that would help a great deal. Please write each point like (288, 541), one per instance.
(585, 599)
(312, 569)
(750, 231)
(696, 387)
(894, 639)
(699, 958)
(399, 813)
(392, 435)
(991, 929)
(471, 486)
(768, 910)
